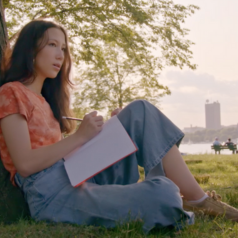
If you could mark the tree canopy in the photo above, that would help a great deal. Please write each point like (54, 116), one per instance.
(115, 81)
(147, 34)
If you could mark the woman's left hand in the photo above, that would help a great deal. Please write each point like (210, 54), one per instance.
(115, 112)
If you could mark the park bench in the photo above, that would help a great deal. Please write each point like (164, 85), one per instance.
(218, 148)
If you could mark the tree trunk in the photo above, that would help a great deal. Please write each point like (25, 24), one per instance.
(3, 31)
(12, 203)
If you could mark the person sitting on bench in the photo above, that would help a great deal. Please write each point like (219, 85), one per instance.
(216, 142)
(229, 142)
(217, 145)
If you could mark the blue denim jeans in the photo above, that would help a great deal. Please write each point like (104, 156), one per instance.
(113, 196)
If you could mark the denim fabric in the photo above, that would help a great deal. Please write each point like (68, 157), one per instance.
(113, 196)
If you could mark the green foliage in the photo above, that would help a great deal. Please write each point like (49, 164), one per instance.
(114, 81)
(100, 29)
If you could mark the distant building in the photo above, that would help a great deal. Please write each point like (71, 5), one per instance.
(213, 115)
(192, 129)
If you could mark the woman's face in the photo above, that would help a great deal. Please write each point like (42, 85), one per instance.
(50, 58)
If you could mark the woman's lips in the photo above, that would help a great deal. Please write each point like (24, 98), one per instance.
(57, 67)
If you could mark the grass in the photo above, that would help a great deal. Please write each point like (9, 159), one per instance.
(213, 172)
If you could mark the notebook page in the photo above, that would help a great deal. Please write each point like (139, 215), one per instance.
(109, 146)
(95, 139)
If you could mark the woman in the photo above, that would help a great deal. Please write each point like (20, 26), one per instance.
(34, 95)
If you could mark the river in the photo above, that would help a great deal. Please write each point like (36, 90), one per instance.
(200, 149)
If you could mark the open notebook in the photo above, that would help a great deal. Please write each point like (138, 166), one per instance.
(106, 148)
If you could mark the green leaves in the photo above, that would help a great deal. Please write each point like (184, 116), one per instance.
(133, 26)
(116, 81)
(148, 35)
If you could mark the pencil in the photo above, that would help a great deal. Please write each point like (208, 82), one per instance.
(72, 118)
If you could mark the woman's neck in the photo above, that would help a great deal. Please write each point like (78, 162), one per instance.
(36, 86)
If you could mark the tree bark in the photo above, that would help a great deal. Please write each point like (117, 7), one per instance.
(13, 205)
(3, 31)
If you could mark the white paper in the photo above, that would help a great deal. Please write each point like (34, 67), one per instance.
(110, 145)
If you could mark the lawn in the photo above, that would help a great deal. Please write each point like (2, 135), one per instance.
(213, 172)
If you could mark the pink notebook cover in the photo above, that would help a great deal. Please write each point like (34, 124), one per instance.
(105, 149)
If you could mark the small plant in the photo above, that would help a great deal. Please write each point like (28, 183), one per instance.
(202, 178)
(232, 198)
(194, 161)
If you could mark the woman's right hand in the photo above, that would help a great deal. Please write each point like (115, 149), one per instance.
(90, 126)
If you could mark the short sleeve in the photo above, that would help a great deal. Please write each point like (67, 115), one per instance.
(13, 101)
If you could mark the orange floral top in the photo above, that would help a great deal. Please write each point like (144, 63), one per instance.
(44, 129)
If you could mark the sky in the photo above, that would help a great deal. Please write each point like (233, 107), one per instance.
(214, 31)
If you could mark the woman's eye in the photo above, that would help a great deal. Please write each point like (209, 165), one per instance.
(52, 44)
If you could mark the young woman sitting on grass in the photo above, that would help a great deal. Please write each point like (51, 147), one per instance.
(34, 95)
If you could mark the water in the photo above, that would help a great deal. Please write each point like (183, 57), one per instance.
(200, 149)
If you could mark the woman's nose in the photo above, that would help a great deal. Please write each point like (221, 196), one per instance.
(60, 54)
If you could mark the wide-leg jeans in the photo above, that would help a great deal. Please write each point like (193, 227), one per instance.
(115, 196)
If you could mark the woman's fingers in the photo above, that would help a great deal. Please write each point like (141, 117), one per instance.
(92, 117)
(98, 118)
(90, 126)
(116, 111)
(100, 123)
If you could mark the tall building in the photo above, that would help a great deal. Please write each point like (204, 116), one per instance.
(213, 115)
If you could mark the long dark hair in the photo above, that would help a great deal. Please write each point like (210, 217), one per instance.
(17, 65)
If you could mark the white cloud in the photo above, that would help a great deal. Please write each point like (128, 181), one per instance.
(190, 90)
(214, 32)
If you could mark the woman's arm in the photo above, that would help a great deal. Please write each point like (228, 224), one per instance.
(29, 161)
